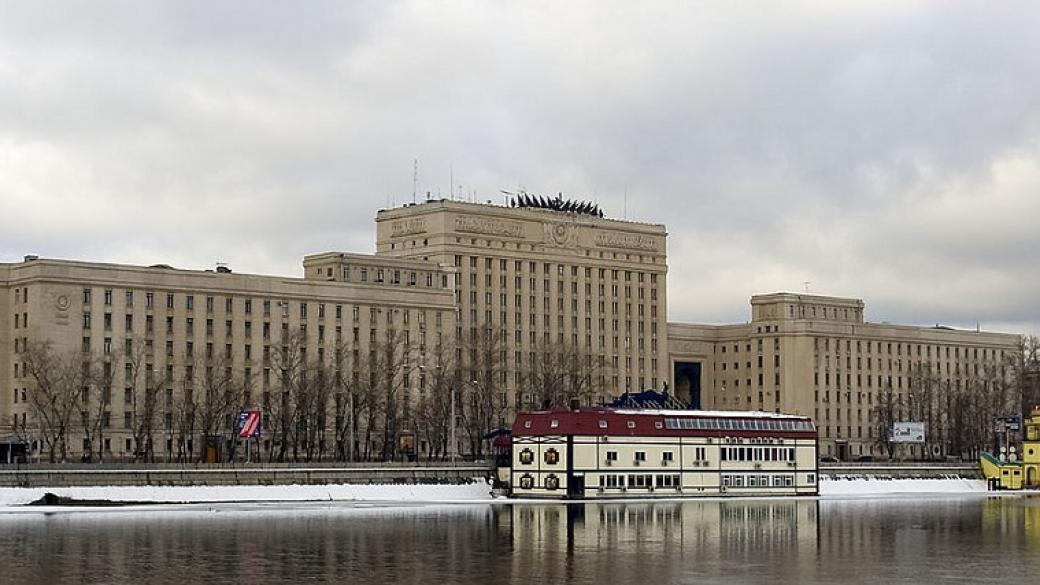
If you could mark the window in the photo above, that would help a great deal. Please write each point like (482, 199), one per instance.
(611, 455)
(551, 457)
(667, 456)
(526, 481)
(640, 455)
(526, 457)
(552, 482)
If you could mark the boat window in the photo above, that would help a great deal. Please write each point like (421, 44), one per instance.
(555, 423)
(602, 424)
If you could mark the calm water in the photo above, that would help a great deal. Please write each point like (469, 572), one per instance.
(967, 540)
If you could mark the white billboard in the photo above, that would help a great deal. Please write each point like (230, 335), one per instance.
(907, 432)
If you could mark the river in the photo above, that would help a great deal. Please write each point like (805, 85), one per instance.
(975, 539)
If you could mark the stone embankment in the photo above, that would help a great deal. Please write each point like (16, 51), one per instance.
(87, 475)
(901, 470)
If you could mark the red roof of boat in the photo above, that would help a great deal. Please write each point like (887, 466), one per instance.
(606, 421)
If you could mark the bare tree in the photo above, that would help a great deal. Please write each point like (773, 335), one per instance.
(439, 380)
(559, 373)
(185, 417)
(220, 396)
(145, 386)
(887, 410)
(53, 398)
(1024, 366)
(95, 404)
(390, 369)
(483, 403)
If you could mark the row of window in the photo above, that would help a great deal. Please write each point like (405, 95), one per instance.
(886, 347)
(561, 269)
(727, 424)
(639, 480)
(756, 480)
(550, 456)
(757, 453)
(389, 276)
(666, 456)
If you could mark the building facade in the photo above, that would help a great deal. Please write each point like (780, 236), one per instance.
(817, 356)
(162, 335)
(543, 280)
(496, 294)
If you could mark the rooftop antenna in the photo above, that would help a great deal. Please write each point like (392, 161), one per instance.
(415, 178)
(451, 179)
(806, 285)
(626, 202)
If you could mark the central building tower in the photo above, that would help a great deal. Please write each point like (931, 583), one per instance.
(559, 291)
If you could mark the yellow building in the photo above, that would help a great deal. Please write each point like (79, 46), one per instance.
(1015, 475)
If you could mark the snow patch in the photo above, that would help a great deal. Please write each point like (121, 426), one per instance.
(874, 487)
(478, 490)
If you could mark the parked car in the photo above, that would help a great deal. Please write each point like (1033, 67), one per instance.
(865, 459)
(828, 459)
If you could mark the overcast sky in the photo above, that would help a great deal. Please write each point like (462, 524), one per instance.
(888, 151)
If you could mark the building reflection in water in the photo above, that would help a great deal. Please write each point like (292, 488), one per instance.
(662, 542)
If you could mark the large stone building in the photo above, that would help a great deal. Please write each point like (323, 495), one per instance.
(505, 288)
(817, 356)
(166, 331)
(546, 279)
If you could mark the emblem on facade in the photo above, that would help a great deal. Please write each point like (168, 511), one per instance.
(62, 303)
(561, 234)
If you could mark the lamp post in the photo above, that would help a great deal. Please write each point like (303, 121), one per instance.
(453, 448)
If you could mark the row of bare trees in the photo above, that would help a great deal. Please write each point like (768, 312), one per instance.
(959, 414)
(349, 404)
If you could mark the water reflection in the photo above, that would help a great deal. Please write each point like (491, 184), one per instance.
(779, 541)
(662, 542)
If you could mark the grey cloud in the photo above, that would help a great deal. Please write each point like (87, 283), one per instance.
(883, 151)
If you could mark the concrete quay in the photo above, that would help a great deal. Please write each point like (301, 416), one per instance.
(85, 475)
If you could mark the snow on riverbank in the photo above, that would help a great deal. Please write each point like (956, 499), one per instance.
(878, 487)
(476, 491)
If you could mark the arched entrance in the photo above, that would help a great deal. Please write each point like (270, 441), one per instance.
(1031, 480)
(688, 383)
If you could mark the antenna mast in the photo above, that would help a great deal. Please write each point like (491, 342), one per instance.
(415, 178)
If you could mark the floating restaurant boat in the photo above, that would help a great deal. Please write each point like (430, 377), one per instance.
(1006, 472)
(603, 452)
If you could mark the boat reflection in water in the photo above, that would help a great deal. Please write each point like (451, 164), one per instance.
(643, 542)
